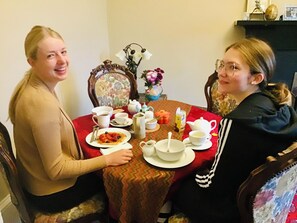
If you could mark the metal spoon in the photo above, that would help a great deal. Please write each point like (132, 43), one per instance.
(169, 138)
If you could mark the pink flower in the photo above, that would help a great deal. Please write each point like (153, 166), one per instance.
(152, 77)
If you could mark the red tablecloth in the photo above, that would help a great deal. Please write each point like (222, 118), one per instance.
(137, 190)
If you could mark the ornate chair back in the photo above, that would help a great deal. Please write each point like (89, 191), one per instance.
(112, 85)
(267, 194)
(218, 103)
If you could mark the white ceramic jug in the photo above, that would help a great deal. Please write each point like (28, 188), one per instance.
(139, 125)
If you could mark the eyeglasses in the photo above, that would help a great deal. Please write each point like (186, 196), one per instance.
(230, 68)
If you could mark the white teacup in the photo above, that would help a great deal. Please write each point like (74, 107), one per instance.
(121, 118)
(148, 148)
(198, 137)
(102, 109)
(102, 120)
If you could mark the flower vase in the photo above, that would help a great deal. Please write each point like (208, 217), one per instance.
(154, 93)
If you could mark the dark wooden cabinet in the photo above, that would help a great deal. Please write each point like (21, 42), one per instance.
(282, 36)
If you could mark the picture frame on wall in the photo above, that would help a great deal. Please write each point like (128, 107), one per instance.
(251, 5)
(294, 85)
(290, 12)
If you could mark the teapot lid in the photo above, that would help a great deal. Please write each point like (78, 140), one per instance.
(201, 119)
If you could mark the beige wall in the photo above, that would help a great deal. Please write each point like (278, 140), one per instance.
(185, 37)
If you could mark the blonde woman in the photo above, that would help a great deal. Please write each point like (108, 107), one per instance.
(54, 173)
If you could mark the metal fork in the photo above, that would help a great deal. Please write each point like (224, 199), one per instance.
(94, 133)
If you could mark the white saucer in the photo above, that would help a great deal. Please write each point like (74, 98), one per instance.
(187, 158)
(204, 146)
(114, 124)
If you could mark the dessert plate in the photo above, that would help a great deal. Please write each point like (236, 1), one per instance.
(115, 124)
(204, 146)
(95, 143)
(186, 159)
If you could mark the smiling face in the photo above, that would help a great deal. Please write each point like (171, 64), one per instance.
(51, 63)
(235, 77)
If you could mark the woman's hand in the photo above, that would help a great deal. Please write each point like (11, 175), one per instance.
(119, 157)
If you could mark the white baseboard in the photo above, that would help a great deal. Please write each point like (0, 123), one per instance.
(8, 212)
(5, 202)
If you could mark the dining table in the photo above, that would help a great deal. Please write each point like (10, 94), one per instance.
(137, 190)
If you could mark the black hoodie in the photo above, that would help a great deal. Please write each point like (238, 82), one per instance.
(256, 129)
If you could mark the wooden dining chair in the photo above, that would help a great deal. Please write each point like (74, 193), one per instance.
(267, 194)
(207, 90)
(92, 210)
(112, 85)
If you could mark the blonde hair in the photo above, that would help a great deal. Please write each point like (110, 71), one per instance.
(260, 57)
(36, 34)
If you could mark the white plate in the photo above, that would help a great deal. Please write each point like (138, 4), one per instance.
(114, 124)
(100, 131)
(204, 146)
(187, 158)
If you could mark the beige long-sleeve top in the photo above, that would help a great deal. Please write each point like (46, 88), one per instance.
(49, 157)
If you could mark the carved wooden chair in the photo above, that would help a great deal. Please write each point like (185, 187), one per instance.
(267, 194)
(218, 103)
(112, 85)
(92, 210)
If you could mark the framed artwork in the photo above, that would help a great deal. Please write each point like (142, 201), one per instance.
(251, 5)
(294, 85)
(290, 12)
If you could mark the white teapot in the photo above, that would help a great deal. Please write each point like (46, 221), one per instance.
(134, 107)
(203, 125)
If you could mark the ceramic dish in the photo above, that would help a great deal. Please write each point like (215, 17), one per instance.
(114, 124)
(153, 130)
(186, 159)
(204, 146)
(95, 143)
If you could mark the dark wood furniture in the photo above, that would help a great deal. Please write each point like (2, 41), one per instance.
(8, 164)
(207, 90)
(282, 36)
(258, 177)
(114, 71)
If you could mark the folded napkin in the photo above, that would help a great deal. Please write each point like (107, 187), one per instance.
(116, 148)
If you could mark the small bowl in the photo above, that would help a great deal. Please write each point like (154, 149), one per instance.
(102, 110)
(176, 150)
(151, 124)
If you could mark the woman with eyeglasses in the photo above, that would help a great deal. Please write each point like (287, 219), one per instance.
(262, 124)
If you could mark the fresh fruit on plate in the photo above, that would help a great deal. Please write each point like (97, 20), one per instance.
(111, 138)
